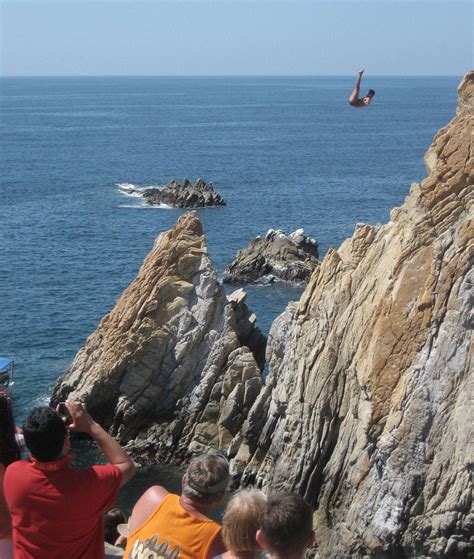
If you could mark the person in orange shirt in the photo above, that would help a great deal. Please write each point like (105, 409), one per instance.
(178, 527)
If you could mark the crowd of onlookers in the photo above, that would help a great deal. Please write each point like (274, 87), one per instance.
(51, 510)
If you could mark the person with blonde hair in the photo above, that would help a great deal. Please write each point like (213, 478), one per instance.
(240, 524)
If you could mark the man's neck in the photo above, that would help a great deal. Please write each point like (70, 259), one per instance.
(193, 507)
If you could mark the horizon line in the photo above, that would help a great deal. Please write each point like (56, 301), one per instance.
(227, 75)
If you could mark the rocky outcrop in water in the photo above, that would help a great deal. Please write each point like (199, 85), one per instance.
(186, 195)
(290, 258)
(367, 409)
(166, 366)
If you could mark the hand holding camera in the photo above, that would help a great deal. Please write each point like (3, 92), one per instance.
(75, 416)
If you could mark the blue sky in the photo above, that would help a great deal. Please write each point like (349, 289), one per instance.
(236, 37)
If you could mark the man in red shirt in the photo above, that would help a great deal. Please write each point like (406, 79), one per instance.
(56, 509)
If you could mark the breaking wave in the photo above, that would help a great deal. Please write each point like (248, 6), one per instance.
(145, 206)
(129, 189)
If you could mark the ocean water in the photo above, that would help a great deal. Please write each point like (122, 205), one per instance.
(284, 152)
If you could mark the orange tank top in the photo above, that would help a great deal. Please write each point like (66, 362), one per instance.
(171, 532)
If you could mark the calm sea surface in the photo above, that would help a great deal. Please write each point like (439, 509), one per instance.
(283, 152)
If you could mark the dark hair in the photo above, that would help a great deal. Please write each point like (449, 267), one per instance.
(207, 478)
(112, 519)
(287, 523)
(370, 93)
(9, 451)
(44, 433)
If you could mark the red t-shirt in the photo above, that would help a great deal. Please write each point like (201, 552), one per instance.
(57, 510)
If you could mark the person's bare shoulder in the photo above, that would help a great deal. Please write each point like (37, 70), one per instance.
(146, 505)
(155, 493)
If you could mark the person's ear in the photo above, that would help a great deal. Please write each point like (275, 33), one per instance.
(262, 542)
(183, 481)
(312, 539)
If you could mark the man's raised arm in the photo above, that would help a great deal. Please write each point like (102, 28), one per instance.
(115, 454)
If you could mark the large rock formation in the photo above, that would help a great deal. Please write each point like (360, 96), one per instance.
(367, 409)
(290, 258)
(169, 355)
(186, 195)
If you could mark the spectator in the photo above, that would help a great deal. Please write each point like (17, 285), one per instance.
(56, 509)
(112, 519)
(174, 526)
(286, 526)
(240, 524)
(9, 452)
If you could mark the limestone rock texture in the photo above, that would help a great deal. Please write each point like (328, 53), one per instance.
(165, 370)
(186, 195)
(368, 411)
(291, 258)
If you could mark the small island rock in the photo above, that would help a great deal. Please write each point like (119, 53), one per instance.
(186, 195)
(291, 258)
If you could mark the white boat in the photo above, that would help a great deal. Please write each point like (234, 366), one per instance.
(7, 366)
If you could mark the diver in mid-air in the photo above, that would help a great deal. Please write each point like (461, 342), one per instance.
(354, 98)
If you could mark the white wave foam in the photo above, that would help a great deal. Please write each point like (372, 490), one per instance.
(130, 189)
(41, 400)
(147, 206)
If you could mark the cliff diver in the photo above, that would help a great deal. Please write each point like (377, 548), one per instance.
(354, 98)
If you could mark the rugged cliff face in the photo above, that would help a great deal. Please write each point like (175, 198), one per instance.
(366, 408)
(169, 354)
(366, 411)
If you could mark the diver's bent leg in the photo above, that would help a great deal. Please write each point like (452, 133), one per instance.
(354, 96)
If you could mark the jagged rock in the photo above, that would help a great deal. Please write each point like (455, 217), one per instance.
(367, 409)
(290, 258)
(201, 195)
(161, 365)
